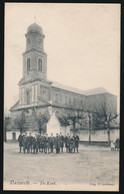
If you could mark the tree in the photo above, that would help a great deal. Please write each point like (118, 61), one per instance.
(62, 117)
(73, 115)
(20, 122)
(105, 116)
(41, 120)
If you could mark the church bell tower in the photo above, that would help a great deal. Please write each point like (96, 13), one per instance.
(34, 57)
(34, 66)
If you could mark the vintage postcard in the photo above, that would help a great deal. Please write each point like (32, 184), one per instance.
(62, 95)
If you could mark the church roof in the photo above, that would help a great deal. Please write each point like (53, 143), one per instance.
(35, 28)
(94, 91)
(68, 88)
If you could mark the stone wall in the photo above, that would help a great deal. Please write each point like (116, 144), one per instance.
(99, 136)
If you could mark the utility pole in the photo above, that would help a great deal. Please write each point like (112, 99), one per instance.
(90, 126)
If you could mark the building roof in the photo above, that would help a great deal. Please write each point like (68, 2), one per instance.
(68, 88)
(94, 91)
(35, 28)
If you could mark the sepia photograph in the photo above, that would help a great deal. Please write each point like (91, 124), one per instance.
(61, 97)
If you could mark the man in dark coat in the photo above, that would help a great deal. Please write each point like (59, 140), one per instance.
(20, 140)
(28, 144)
(42, 142)
(74, 136)
(67, 142)
(76, 142)
(25, 142)
(30, 139)
(39, 140)
(71, 145)
(35, 144)
(51, 141)
(117, 144)
(57, 143)
(46, 141)
(61, 142)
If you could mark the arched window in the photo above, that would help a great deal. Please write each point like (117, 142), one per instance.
(28, 64)
(39, 65)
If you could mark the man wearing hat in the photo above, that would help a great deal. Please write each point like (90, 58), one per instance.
(61, 142)
(51, 141)
(71, 145)
(42, 142)
(76, 142)
(39, 140)
(67, 142)
(35, 144)
(57, 143)
(20, 140)
(25, 142)
(46, 141)
(30, 139)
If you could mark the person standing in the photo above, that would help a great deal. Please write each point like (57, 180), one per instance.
(76, 142)
(71, 145)
(30, 142)
(20, 140)
(42, 142)
(61, 142)
(117, 144)
(51, 142)
(57, 143)
(25, 142)
(74, 136)
(67, 142)
(46, 144)
(35, 144)
(39, 140)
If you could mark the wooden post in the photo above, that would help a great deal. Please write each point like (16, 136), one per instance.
(108, 130)
(89, 115)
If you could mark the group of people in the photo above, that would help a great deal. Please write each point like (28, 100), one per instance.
(46, 144)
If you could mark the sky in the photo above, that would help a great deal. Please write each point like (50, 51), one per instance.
(82, 42)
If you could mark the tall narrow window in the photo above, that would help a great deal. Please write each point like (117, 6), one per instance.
(28, 64)
(39, 65)
(56, 97)
(28, 98)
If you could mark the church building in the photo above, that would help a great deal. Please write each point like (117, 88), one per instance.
(37, 92)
